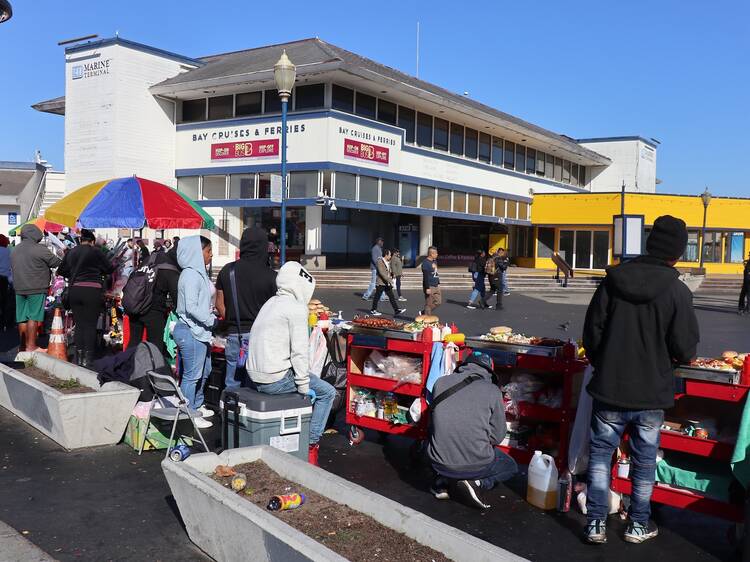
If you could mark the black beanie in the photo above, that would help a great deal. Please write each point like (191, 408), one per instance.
(668, 238)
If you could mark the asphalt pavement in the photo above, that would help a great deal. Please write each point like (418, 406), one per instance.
(107, 503)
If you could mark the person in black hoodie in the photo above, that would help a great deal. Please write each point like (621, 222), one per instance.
(163, 299)
(640, 323)
(85, 267)
(744, 305)
(255, 283)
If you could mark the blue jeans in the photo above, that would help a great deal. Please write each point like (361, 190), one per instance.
(479, 287)
(231, 350)
(371, 287)
(607, 427)
(504, 281)
(499, 470)
(324, 395)
(195, 364)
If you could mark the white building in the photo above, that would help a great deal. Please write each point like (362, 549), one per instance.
(400, 157)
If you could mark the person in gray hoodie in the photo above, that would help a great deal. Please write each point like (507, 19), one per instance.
(196, 319)
(278, 360)
(31, 264)
(467, 421)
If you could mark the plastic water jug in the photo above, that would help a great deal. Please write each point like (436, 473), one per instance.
(542, 487)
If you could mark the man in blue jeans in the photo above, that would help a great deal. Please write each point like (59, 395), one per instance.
(278, 361)
(467, 422)
(376, 252)
(640, 323)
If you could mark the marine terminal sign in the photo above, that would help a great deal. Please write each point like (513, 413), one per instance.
(91, 69)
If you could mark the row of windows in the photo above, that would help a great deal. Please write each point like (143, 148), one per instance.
(353, 187)
(718, 247)
(429, 131)
(310, 96)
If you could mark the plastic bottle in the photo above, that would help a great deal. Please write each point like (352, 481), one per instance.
(564, 492)
(390, 406)
(288, 501)
(312, 320)
(542, 486)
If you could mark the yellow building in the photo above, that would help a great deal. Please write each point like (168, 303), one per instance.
(579, 227)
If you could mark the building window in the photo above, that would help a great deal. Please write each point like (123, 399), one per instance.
(488, 205)
(510, 151)
(520, 158)
(600, 257)
(582, 176)
(549, 168)
(712, 247)
(734, 251)
(474, 204)
(387, 112)
(691, 250)
(303, 185)
(342, 98)
(345, 186)
(272, 101)
(365, 105)
(249, 103)
(242, 186)
(326, 184)
(368, 189)
(457, 139)
(194, 110)
(389, 192)
(540, 163)
(499, 207)
(407, 119)
(485, 142)
(470, 150)
(545, 242)
(512, 209)
(523, 211)
(188, 186)
(264, 186)
(497, 151)
(424, 130)
(530, 161)
(566, 246)
(566, 171)
(409, 194)
(444, 199)
(583, 249)
(558, 169)
(441, 134)
(309, 96)
(426, 197)
(220, 107)
(459, 202)
(214, 187)
(524, 242)
(574, 173)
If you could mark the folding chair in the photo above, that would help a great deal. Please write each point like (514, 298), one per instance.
(164, 386)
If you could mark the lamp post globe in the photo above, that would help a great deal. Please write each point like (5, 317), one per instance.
(284, 73)
(706, 197)
(6, 12)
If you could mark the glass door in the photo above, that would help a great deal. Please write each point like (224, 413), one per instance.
(601, 249)
(566, 246)
(583, 249)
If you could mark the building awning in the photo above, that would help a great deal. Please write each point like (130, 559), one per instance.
(55, 105)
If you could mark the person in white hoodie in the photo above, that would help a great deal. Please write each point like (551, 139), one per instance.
(278, 361)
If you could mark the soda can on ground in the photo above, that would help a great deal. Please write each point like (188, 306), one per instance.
(179, 453)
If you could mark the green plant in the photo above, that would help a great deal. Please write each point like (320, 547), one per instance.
(68, 383)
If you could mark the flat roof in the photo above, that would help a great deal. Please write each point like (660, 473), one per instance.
(651, 142)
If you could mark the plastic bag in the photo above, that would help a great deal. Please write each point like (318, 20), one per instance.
(317, 351)
(578, 451)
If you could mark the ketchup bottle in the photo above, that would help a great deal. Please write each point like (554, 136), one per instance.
(745, 374)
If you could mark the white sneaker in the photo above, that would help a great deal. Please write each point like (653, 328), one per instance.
(206, 412)
(375, 313)
(400, 311)
(202, 424)
(402, 299)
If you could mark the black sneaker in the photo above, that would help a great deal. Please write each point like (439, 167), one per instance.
(638, 532)
(375, 313)
(596, 531)
(466, 491)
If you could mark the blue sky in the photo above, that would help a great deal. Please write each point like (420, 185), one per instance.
(673, 70)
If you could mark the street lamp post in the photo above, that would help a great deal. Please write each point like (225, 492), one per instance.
(706, 199)
(284, 73)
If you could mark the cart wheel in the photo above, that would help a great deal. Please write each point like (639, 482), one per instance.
(356, 435)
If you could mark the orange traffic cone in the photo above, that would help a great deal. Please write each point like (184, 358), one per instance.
(57, 347)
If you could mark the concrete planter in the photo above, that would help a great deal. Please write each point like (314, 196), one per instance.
(229, 528)
(692, 281)
(72, 420)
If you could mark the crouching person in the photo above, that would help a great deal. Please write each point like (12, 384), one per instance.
(278, 361)
(467, 421)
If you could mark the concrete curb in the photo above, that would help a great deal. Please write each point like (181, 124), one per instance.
(72, 420)
(14, 546)
(230, 528)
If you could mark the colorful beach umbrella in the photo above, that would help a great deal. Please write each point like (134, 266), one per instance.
(128, 203)
(42, 223)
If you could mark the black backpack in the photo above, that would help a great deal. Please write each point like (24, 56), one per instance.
(139, 289)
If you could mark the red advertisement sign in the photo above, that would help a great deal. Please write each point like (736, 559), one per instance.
(245, 149)
(365, 151)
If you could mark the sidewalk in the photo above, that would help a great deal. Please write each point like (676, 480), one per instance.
(14, 547)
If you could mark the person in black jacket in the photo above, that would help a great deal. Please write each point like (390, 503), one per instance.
(640, 323)
(163, 300)
(744, 305)
(255, 283)
(84, 267)
(478, 292)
